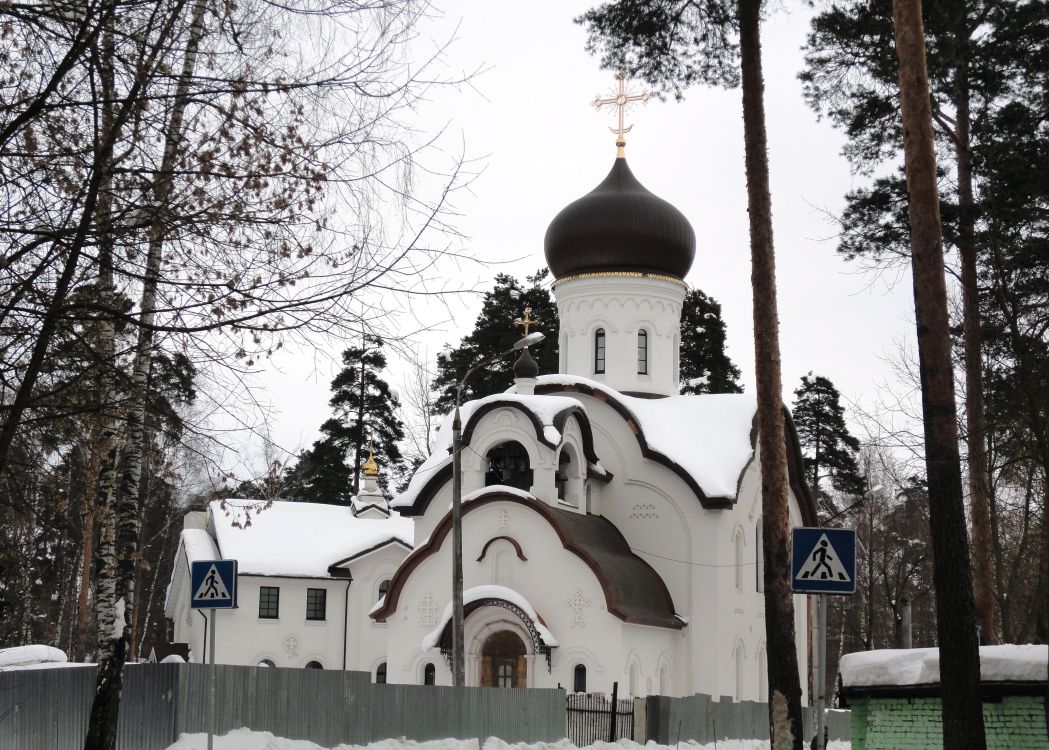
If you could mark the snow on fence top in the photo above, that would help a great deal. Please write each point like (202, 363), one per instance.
(300, 539)
(21, 656)
(921, 666)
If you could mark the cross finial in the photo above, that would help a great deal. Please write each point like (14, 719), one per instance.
(621, 101)
(525, 322)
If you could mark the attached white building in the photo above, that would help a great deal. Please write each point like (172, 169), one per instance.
(611, 526)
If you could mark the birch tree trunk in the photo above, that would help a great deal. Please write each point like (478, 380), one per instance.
(119, 546)
(956, 620)
(783, 679)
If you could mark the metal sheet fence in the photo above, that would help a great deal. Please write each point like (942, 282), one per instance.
(48, 709)
(704, 719)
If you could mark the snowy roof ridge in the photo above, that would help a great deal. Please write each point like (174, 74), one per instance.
(913, 667)
(720, 425)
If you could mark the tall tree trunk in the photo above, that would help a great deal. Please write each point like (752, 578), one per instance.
(783, 680)
(956, 620)
(119, 559)
(975, 420)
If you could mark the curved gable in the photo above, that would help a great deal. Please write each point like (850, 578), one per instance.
(633, 591)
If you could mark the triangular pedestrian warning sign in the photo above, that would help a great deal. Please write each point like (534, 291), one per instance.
(823, 564)
(211, 588)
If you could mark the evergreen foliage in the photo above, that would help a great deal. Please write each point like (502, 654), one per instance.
(365, 413)
(494, 332)
(705, 368)
(828, 448)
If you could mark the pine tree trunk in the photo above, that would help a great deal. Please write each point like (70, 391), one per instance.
(975, 421)
(956, 621)
(783, 679)
(119, 548)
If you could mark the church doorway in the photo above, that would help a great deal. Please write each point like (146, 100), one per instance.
(503, 661)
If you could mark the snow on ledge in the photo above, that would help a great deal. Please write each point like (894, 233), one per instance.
(921, 666)
(490, 592)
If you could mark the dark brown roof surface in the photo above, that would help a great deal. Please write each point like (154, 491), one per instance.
(633, 591)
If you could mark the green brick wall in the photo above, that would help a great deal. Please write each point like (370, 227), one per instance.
(1014, 723)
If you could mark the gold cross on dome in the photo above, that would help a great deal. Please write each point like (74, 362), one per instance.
(526, 322)
(621, 101)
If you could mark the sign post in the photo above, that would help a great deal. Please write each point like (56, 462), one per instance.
(823, 562)
(213, 585)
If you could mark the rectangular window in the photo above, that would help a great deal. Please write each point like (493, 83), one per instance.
(269, 602)
(316, 599)
(599, 351)
(642, 353)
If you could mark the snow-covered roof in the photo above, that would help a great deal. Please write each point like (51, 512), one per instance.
(707, 435)
(24, 656)
(299, 539)
(198, 545)
(921, 666)
(544, 408)
(476, 594)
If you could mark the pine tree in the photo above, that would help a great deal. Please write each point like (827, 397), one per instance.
(493, 333)
(705, 368)
(827, 446)
(366, 414)
(674, 45)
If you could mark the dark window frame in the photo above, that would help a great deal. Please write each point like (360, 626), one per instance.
(642, 352)
(429, 674)
(380, 674)
(316, 601)
(269, 602)
(599, 351)
(579, 678)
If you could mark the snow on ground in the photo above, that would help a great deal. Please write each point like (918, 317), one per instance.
(245, 739)
(921, 666)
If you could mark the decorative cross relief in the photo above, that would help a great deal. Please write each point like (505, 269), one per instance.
(504, 520)
(621, 100)
(291, 644)
(428, 610)
(577, 602)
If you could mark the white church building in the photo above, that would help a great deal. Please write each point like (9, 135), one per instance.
(611, 527)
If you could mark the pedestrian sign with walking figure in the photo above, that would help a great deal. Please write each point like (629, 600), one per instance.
(213, 584)
(823, 561)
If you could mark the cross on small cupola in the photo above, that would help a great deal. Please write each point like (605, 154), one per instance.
(621, 100)
(526, 321)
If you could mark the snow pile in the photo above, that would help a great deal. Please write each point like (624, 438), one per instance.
(300, 539)
(490, 592)
(708, 435)
(544, 408)
(22, 656)
(172, 659)
(245, 739)
(921, 666)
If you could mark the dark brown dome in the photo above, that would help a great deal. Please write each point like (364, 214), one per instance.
(620, 226)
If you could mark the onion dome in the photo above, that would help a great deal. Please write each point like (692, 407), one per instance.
(620, 226)
(526, 366)
(370, 468)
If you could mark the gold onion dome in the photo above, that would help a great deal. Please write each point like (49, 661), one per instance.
(371, 469)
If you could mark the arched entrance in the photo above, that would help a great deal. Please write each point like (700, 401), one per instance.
(503, 661)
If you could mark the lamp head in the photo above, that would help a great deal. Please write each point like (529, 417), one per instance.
(533, 338)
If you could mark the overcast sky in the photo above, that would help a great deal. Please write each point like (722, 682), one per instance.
(542, 145)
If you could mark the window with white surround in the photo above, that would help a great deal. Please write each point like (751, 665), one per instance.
(642, 352)
(269, 602)
(579, 679)
(599, 351)
(380, 674)
(314, 665)
(316, 604)
(739, 656)
(429, 674)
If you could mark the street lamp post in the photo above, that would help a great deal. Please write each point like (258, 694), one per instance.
(458, 660)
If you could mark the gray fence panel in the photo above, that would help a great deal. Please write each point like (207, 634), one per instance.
(45, 709)
(147, 702)
(699, 718)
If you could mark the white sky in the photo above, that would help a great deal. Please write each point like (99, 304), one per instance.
(543, 145)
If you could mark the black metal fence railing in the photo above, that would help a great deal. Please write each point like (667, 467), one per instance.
(594, 717)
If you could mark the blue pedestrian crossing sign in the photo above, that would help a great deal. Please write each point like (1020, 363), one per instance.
(823, 561)
(213, 584)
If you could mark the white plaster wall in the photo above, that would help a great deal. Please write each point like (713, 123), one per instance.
(366, 639)
(560, 586)
(621, 305)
